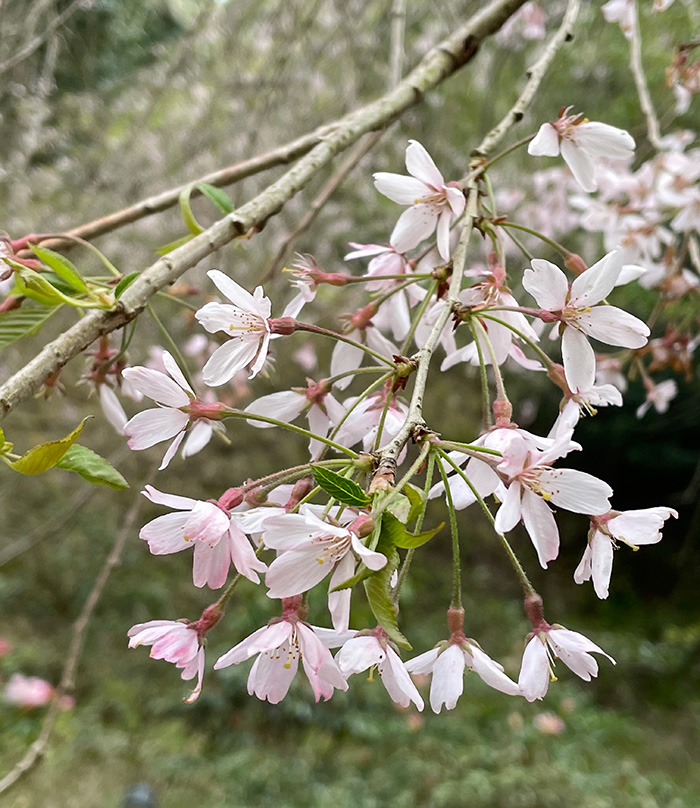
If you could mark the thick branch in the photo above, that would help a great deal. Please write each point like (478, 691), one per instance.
(441, 62)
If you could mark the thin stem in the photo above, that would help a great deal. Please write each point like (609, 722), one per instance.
(382, 420)
(456, 565)
(535, 347)
(492, 162)
(553, 244)
(500, 386)
(172, 344)
(251, 416)
(635, 40)
(315, 329)
(396, 490)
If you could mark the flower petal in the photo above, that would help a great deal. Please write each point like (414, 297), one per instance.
(534, 673)
(580, 165)
(227, 360)
(421, 165)
(579, 359)
(614, 326)
(547, 284)
(149, 427)
(545, 143)
(157, 385)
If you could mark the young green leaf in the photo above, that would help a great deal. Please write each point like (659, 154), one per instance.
(378, 590)
(61, 266)
(186, 208)
(217, 196)
(415, 497)
(45, 456)
(173, 245)
(23, 322)
(341, 488)
(32, 285)
(91, 467)
(124, 284)
(397, 534)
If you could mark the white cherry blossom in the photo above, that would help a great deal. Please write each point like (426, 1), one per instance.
(432, 202)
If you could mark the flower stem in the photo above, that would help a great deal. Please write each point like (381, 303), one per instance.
(171, 344)
(456, 564)
(553, 244)
(315, 329)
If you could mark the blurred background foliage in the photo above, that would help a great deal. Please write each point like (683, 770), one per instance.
(130, 97)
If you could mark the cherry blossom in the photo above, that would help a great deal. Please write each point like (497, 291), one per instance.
(28, 692)
(367, 650)
(246, 322)
(581, 143)
(174, 641)
(310, 548)
(178, 412)
(216, 534)
(550, 642)
(634, 528)
(658, 395)
(432, 202)
(279, 646)
(448, 661)
(363, 422)
(575, 307)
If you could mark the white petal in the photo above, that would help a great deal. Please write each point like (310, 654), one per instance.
(211, 564)
(297, 571)
(397, 682)
(399, 188)
(576, 490)
(227, 360)
(373, 560)
(243, 556)
(492, 673)
(601, 563)
(414, 225)
(545, 143)
(423, 663)
(174, 370)
(603, 140)
(172, 449)
(170, 500)
(112, 408)
(157, 385)
(197, 437)
(421, 165)
(149, 427)
(509, 513)
(614, 326)
(579, 360)
(640, 526)
(166, 534)
(264, 639)
(547, 284)
(345, 357)
(236, 294)
(580, 164)
(358, 654)
(534, 673)
(284, 406)
(541, 527)
(448, 679)
(443, 234)
(596, 283)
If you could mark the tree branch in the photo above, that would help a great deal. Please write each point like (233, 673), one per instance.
(439, 63)
(653, 131)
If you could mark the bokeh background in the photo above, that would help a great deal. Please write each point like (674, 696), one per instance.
(130, 97)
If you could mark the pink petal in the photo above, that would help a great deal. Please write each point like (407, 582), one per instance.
(297, 571)
(166, 534)
(170, 500)
(243, 556)
(421, 165)
(211, 564)
(174, 370)
(264, 639)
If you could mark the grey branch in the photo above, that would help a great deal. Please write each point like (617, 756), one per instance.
(439, 63)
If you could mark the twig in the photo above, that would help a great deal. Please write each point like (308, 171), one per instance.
(34, 44)
(439, 63)
(653, 132)
(414, 419)
(398, 31)
(67, 682)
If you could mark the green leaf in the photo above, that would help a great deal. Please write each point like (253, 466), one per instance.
(61, 266)
(32, 285)
(400, 507)
(362, 574)
(173, 245)
(91, 467)
(23, 322)
(378, 590)
(217, 196)
(124, 284)
(45, 456)
(341, 488)
(415, 497)
(397, 534)
(192, 224)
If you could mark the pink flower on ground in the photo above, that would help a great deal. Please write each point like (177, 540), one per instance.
(634, 528)
(279, 646)
(309, 549)
(246, 322)
(575, 307)
(174, 641)
(432, 202)
(216, 534)
(581, 143)
(28, 692)
(365, 651)
(448, 661)
(548, 643)
(179, 411)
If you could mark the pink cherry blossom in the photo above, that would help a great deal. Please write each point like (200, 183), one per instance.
(575, 307)
(246, 322)
(634, 528)
(371, 650)
(432, 202)
(447, 663)
(309, 549)
(279, 646)
(547, 643)
(363, 422)
(658, 395)
(581, 143)
(174, 641)
(179, 412)
(28, 692)
(217, 535)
